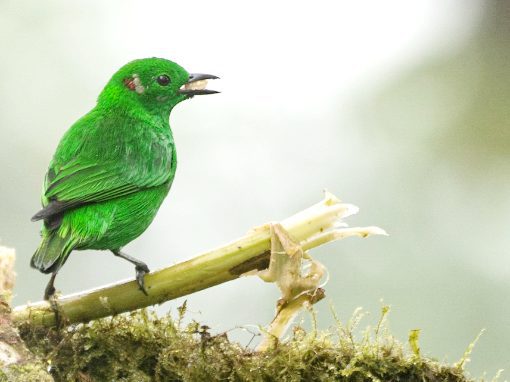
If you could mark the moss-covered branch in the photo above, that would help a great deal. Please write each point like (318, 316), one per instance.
(141, 346)
(312, 227)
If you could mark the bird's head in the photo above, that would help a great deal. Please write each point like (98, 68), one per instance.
(156, 83)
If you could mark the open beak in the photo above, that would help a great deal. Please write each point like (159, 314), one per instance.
(197, 84)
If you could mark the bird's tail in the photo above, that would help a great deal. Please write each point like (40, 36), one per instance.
(52, 252)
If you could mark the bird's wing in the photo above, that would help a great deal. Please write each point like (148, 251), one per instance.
(80, 182)
(102, 157)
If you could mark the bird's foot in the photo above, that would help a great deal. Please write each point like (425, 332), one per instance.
(50, 288)
(49, 291)
(141, 270)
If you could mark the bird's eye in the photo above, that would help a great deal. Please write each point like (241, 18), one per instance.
(163, 80)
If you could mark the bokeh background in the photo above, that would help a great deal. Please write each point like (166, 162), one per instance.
(399, 107)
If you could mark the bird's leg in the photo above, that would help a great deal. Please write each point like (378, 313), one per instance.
(50, 288)
(49, 295)
(140, 267)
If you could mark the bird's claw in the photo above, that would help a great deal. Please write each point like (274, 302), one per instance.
(141, 271)
(48, 292)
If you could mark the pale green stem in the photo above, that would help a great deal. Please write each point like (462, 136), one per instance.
(285, 315)
(220, 265)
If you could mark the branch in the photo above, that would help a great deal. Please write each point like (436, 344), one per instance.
(312, 227)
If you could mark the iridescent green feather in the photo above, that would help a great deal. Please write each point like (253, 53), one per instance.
(113, 168)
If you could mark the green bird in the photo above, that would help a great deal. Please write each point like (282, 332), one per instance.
(114, 167)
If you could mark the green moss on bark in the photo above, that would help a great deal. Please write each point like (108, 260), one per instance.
(143, 347)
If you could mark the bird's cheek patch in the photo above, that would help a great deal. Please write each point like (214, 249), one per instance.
(134, 83)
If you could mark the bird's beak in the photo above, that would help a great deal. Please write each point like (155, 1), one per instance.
(196, 85)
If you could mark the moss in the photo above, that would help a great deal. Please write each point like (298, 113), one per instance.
(24, 373)
(143, 347)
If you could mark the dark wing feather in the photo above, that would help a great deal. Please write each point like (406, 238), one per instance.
(93, 184)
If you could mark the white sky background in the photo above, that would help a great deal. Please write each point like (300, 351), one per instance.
(261, 150)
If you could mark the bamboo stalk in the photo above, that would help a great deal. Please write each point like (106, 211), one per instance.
(314, 226)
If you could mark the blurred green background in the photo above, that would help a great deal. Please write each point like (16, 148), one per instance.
(399, 107)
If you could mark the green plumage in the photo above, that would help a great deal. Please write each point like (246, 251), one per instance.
(114, 167)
